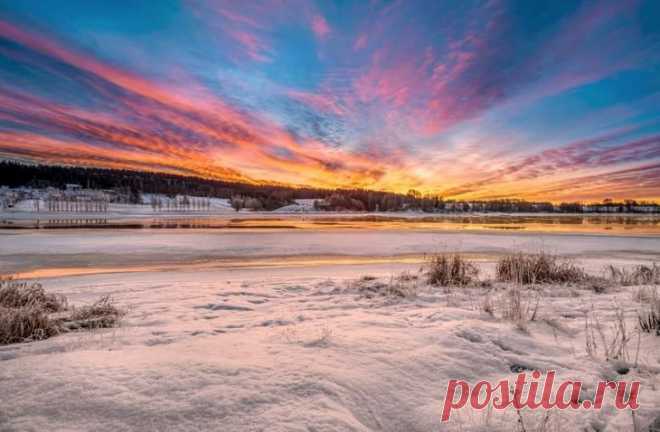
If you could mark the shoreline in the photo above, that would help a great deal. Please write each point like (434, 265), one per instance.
(628, 225)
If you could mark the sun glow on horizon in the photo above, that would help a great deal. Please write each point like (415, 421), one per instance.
(486, 101)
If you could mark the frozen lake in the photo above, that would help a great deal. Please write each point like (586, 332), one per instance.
(265, 328)
(630, 224)
(82, 251)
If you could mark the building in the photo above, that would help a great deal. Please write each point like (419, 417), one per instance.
(72, 187)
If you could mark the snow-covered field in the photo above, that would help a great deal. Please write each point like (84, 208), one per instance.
(269, 331)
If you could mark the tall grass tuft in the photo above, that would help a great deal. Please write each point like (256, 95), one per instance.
(451, 270)
(649, 321)
(28, 313)
(526, 269)
(638, 275)
(25, 323)
(649, 318)
(101, 314)
(17, 294)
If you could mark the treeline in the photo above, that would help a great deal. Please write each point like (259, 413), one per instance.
(130, 185)
(361, 200)
(366, 200)
(15, 174)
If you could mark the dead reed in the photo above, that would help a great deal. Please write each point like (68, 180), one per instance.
(540, 268)
(101, 314)
(24, 324)
(403, 285)
(649, 317)
(17, 294)
(520, 307)
(613, 343)
(638, 275)
(28, 313)
(451, 270)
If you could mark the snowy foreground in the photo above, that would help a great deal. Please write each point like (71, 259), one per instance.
(215, 340)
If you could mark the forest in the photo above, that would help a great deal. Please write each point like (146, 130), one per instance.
(269, 196)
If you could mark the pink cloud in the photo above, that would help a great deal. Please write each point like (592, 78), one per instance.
(254, 47)
(320, 26)
(320, 102)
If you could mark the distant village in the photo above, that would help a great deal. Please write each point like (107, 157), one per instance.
(74, 198)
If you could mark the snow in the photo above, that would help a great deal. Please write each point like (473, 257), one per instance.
(267, 331)
(299, 206)
(26, 209)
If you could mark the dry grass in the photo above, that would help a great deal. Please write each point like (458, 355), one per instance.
(649, 318)
(101, 314)
(451, 270)
(520, 306)
(18, 294)
(539, 268)
(612, 344)
(638, 275)
(649, 321)
(487, 304)
(402, 285)
(28, 313)
(26, 323)
(598, 284)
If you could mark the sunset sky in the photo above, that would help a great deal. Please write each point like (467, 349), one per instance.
(556, 100)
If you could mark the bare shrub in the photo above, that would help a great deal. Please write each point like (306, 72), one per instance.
(451, 270)
(638, 275)
(538, 268)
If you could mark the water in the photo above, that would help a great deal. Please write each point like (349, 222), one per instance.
(591, 224)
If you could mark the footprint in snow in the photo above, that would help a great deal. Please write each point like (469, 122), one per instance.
(216, 307)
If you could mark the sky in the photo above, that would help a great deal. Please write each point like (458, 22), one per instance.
(544, 100)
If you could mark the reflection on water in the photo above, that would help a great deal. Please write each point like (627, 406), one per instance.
(236, 263)
(619, 224)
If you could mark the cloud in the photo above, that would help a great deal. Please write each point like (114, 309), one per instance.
(601, 156)
(320, 27)
(461, 101)
(149, 120)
